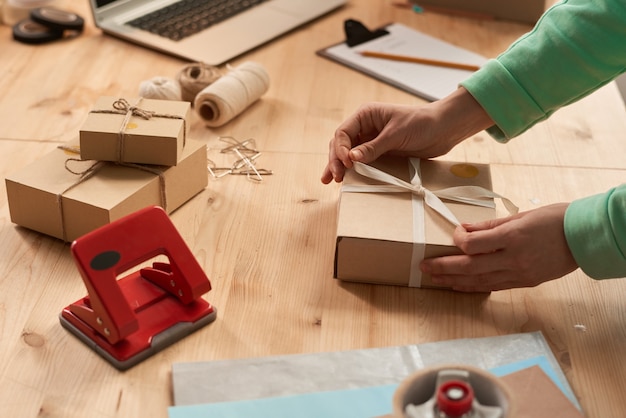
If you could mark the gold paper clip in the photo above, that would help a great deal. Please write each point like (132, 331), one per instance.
(245, 165)
(238, 145)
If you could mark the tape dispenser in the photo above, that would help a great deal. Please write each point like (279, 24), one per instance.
(452, 391)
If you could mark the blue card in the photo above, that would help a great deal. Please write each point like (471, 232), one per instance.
(357, 403)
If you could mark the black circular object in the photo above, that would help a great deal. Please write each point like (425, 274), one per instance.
(57, 19)
(31, 32)
(105, 260)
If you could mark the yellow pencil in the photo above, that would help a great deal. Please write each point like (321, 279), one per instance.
(417, 60)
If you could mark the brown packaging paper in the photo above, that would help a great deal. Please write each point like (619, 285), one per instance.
(375, 231)
(537, 396)
(143, 138)
(46, 197)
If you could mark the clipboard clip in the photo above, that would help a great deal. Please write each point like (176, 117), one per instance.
(127, 320)
(357, 33)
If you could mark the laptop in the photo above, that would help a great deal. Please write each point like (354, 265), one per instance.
(213, 32)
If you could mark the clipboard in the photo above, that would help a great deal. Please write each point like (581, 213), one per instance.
(426, 81)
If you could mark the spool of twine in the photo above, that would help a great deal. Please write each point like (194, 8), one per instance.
(160, 88)
(194, 78)
(231, 94)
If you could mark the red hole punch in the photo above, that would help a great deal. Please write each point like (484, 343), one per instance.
(128, 320)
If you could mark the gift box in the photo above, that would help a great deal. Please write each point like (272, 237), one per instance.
(142, 131)
(62, 196)
(390, 217)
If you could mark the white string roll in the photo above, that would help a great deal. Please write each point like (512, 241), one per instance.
(160, 88)
(231, 94)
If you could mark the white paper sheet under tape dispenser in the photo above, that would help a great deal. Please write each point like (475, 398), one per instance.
(452, 391)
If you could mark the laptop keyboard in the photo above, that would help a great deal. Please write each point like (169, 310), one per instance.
(187, 17)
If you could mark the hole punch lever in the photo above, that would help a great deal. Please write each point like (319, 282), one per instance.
(128, 320)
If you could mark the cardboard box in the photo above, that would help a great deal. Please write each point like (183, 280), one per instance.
(527, 11)
(157, 140)
(376, 240)
(46, 197)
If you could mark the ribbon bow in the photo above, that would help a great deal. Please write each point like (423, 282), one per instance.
(124, 107)
(471, 195)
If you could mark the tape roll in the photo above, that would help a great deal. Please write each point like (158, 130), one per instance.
(29, 32)
(420, 390)
(57, 19)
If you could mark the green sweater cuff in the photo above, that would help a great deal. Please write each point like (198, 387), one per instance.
(593, 226)
(505, 106)
(571, 52)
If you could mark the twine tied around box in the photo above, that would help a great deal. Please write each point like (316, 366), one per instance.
(471, 195)
(90, 171)
(122, 107)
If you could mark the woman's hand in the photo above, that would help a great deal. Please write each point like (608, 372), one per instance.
(425, 131)
(523, 250)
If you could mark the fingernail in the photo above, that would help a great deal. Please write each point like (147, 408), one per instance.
(356, 154)
(425, 268)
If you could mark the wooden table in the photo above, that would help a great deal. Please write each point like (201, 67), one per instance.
(268, 246)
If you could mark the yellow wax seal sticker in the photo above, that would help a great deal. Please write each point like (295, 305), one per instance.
(131, 125)
(464, 170)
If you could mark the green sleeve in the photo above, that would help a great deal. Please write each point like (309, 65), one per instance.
(576, 47)
(595, 229)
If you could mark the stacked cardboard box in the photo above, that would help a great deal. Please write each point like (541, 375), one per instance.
(81, 186)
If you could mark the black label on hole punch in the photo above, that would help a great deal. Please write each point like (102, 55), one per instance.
(105, 260)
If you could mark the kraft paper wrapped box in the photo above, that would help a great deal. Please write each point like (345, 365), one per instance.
(142, 131)
(383, 236)
(44, 196)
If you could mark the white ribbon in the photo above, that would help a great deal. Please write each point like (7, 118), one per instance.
(471, 195)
